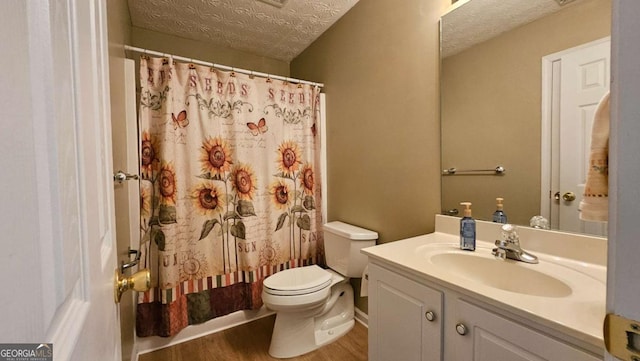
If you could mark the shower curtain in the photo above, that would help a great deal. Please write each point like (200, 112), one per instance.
(229, 190)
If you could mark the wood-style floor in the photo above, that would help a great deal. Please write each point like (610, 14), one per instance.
(251, 342)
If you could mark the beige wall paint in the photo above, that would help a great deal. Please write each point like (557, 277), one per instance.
(199, 50)
(119, 33)
(380, 64)
(491, 109)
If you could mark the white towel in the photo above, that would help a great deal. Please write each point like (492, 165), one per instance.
(595, 204)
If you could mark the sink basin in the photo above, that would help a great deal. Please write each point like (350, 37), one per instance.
(507, 275)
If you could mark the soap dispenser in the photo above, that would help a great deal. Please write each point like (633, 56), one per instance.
(467, 229)
(499, 216)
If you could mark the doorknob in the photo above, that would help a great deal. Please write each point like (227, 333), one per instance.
(139, 281)
(569, 197)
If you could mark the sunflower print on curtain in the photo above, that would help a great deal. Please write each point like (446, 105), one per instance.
(229, 190)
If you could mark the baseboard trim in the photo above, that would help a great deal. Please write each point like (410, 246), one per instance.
(153, 343)
(362, 317)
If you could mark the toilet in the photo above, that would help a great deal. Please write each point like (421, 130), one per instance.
(314, 306)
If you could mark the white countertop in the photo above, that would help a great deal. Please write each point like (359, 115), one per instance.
(579, 314)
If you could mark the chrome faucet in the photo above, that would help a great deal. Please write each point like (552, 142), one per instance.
(509, 246)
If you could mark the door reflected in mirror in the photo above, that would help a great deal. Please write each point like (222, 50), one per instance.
(494, 113)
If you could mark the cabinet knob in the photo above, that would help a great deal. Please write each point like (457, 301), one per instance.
(461, 329)
(430, 316)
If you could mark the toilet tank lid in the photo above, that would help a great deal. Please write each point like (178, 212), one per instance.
(350, 231)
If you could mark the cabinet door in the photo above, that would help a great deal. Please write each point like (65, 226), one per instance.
(399, 327)
(490, 337)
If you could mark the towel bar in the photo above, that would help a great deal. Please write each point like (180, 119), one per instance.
(499, 170)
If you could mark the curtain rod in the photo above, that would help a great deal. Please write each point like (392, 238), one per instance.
(219, 66)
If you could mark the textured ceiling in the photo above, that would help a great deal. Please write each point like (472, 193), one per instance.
(474, 21)
(247, 25)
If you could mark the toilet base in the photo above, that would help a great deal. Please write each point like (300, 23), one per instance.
(297, 333)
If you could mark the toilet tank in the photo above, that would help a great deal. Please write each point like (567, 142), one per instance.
(342, 245)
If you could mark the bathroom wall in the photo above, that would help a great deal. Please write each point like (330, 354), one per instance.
(501, 107)
(119, 33)
(200, 50)
(380, 66)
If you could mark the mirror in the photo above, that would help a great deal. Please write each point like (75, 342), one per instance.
(491, 97)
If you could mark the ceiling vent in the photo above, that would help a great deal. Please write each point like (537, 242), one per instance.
(276, 3)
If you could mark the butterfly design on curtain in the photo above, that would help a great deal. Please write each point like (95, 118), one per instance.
(259, 128)
(180, 122)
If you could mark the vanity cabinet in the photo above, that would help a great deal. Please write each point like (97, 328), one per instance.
(405, 318)
(458, 327)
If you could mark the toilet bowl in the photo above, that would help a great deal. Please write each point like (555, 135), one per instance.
(314, 306)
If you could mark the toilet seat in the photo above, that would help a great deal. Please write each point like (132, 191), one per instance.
(298, 281)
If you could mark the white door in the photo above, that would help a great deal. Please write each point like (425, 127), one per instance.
(580, 80)
(56, 211)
